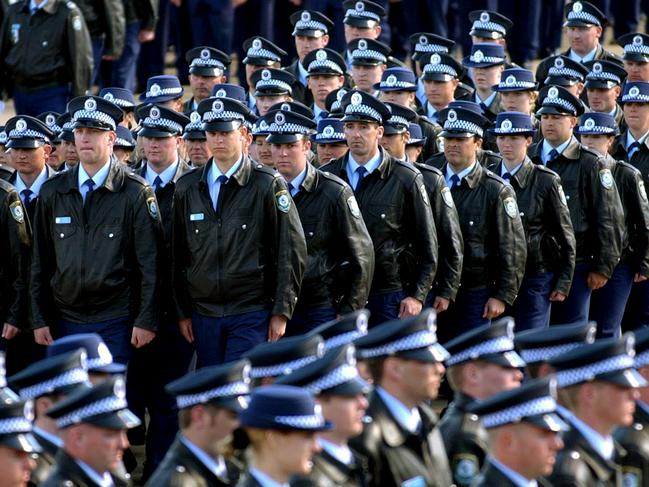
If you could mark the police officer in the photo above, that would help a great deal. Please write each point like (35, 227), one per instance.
(271, 86)
(17, 444)
(518, 90)
(636, 56)
(195, 140)
(520, 422)
(592, 197)
(483, 362)
(217, 273)
(416, 142)
(603, 88)
(6, 170)
(329, 140)
(333, 226)
(325, 73)
(207, 68)
(260, 53)
(395, 131)
(403, 442)
(440, 77)
(164, 90)
(44, 77)
(46, 383)
(343, 330)
(368, 59)
(96, 239)
(486, 62)
(393, 202)
(586, 375)
(124, 145)
(494, 247)
(362, 21)
(209, 401)
(93, 424)
(311, 33)
(340, 391)
(546, 220)
(69, 151)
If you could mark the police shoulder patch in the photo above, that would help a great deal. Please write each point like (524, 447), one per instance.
(447, 197)
(353, 207)
(17, 212)
(152, 206)
(76, 23)
(283, 201)
(631, 477)
(424, 194)
(511, 208)
(642, 190)
(606, 178)
(465, 468)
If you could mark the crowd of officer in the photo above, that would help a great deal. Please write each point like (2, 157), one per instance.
(270, 286)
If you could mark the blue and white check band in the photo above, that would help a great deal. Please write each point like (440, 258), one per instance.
(486, 60)
(350, 336)
(15, 425)
(263, 53)
(585, 16)
(68, 126)
(363, 110)
(430, 48)
(421, 339)
(103, 406)
(120, 102)
(543, 354)
(500, 344)
(536, 407)
(365, 14)
(337, 340)
(94, 115)
(395, 119)
(287, 128)
(302, 422)
(596, 128)
(162, 123)
(397, 84)
(327, 63)
(164, 92)
(209, 63)
(93, 363)
(338, 376)
(641, 359)
(119, 142)
(228, 390)
(639, 97)
(463, 126)
(588, 372)
(310, 25)
(224, 115)
(488, 26)
(440, 68)
(565, 104)
(27, 134)
(273, 83)
(604, 75)
(194, 126)
(639, 49)
(71, 377)
(368, 54)
(280, 369)
(566, 72)
(512, 130)
(517, 84)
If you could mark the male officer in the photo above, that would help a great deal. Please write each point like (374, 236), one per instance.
(271, 86)
(636, 56)
(99, 361)
(586, 375)
(329, 140)
(494, 241)
(369, 59)
(238, 247)
(124, 99)
(46, 55)
(311, 32)
(523, 427)
(96, 240)
(93, 424)
(395, 206)
(195, 140)
(209, 402)
(395, 131)
(325, 73)
(486, 62)
(403, 443)
(17, 444)
(260, 53)
(333, 226)
(362, 21)
(570, 74)
(483, 362)
(164, 90)
(340, 391)
(440, 74)
(207, 68)
(592, 197)
(603, 88)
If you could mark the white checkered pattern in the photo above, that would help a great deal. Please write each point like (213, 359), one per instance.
(602, 130)
(488, 26)
(397, 84)
(431, 48)
(543, 354)
(536, 407)
(26, 134)
(120, 102)
(194, 126)
(421, 339)
(350, 336)
(567, 72)
(15, 425)
(512, 130)
(68, 126)
(571, 377)
(228, 390)
(209, 62)
(368, 54)
(263, 53)
(440, 68)
(641, 98)
(103, 406)
(605, 76)
(395, 119)
(281, 369)
(365, 14)
(326, 63)
(362, 110)
(641, 359)
(518, 84)
(640, 49)
(338, 376)
(119, 142)
(164, 92)
(224, 115)
(335, 340)
(583, 16)
(463, 126)
(94, 115)
(561, 102)
(164, 123)
(486, 60)
(97, 362)
(287, 128)
(302, 422)
(71, 377)
(495, 345)
(310, 25)
(270, 83)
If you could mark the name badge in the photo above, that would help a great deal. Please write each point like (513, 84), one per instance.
(197, 217)
(63, 220)
(417, 481)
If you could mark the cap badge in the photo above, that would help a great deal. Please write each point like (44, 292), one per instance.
(350, 357)
(360, 7)
(478, 56)
(362, 44)
(285, 107)
(280, 119)
(50, 120)
(597, 68)
(506, 125)
(356, 99)
(510, 80)
(109, 97)
(28, 410)
(221, 92)
(328, 131)
(589, 124)
(21, 125)
(452, 116)
(306, 16)
(195, 117)
(484, 17)
(155, 89)
(217, 106)
(634, 91)
(577, 7)
(558, 63)
(154, 113)
(265, 75)
(435, 59)
(321, 55)
(205, 54)
(246, 373)
(256, 44)
(553, 92)
(104, 354)
(361, 323)
(637, 41)
(391, 80)
(90, 105)
(119, 389)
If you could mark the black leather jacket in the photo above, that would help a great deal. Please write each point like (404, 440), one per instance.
(395, 206)
(67, 472)
(546, 220)
(594, 203)
(97, 261)
(639, 159)
(247, 257)
(329, 472)
(335, 235)
(635, 441)
(486, 158)
(46, 460)
(493, 477)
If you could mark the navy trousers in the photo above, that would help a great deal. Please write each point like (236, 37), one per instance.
(532, 306)
(576, 307)
(303, 321)
(124, 68)
(212, 23)
(608, 303)
(35, 102)
(464, 314)
(523, 38)
(637, 307)
(384, 307)
(115, 333)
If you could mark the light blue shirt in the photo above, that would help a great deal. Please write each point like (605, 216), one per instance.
(33, 8)
(547, 148)
(264, 479)
(431, 112)
(489, 99)
(301, 72)
(602, 444)
(341, 453)
(318, 113)
(104, 480)
(99, 178)
(216, 467)
(515, 477)
(420, 93)
(252, 101)
(513, 172)
(36, 185)
(297, 182)
(370, 165)
(49, 436)
(462, 174)
(214, 173)
(630, 140)
(588, 57)
(408, 418)
(643, 405)
(166, 176)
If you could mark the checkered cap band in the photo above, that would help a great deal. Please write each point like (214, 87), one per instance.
(365, 14)
(513, 130)
(397, 84)
(209, 63)
(15, 425)
(228, 390)
(517, 84)
(561, 102)
(571, 377)
(639, 98)
(605, 76)
(302, 422)
(263, 53)
(421, 339)
(194, 126)
(500, 344)
(27, 134)
(165, 91)
(224, 115)
(341, 136)
(543, 354)
(440, 68)
(535, 407)
(120, 102)
(431, 48)
(463, 126)
(486, 59)
(270, 83)
(71, 377)
(326, 63)
(362, 110)
(642, 359)
(395, 119)
(281, 369)
(68, 126)
(368, 54)
(350, 336)
(488, 26)
(584, 16)
(55, 128)
(287, 128)
(103, 406)
(94, 115)
(310, 25)
(639, 49)
(119, 142)
(566, 72)
(338, 376)
(93, 363)
(596, 128)
(162, 123)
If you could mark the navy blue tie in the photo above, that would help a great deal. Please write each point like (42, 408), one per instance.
(633, 147)
(553, 155)
(507, 176)
(90, 184)
(362, 172)
(27, 196)
(455, 181)
(483, 107)
(292, 189)
(157, 183)
(223, 180)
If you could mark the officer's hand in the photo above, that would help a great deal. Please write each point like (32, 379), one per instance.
(237, 3)
(639, 278)
(176, 3)
(410, 307)
(556, 296)
(492, 308)
(43, 336)
(185, 325)
(596, 280)
(9, 331)
(146, 35)
(276, 327)
(141, 337)
(440, 304)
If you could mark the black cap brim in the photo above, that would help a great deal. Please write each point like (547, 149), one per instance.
(356, 117)
(550, 110)
(116, 420)
(327, 141)
(636, 56)
(549, 422)
(210, 72)
(324, 71)
(486, 34)
(560, 81)
(89, 123)
(113, 368)
(314, 33)
(25, 442)
(625, 378)
(600, 83)
(456, 134)
(579, 23)
(509, 359)
(368, 62)
(236, 404)
(223, 125)
(284, 138)
(194, 135)
(258, 61)
(432, 354)
(351, 388)
(66, 135)
(389, 129)
(360, 22)
(155, 133)
(272, 92)
(25, 143)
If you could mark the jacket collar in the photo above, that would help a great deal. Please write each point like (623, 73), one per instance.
(474, 177)
(573, 150)
(241, 175)
(114, 179)
(523, 175)
(186, 455)
(70, 470)
(604, 469)
(51, 7)
(311, 179)
(334, 470)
